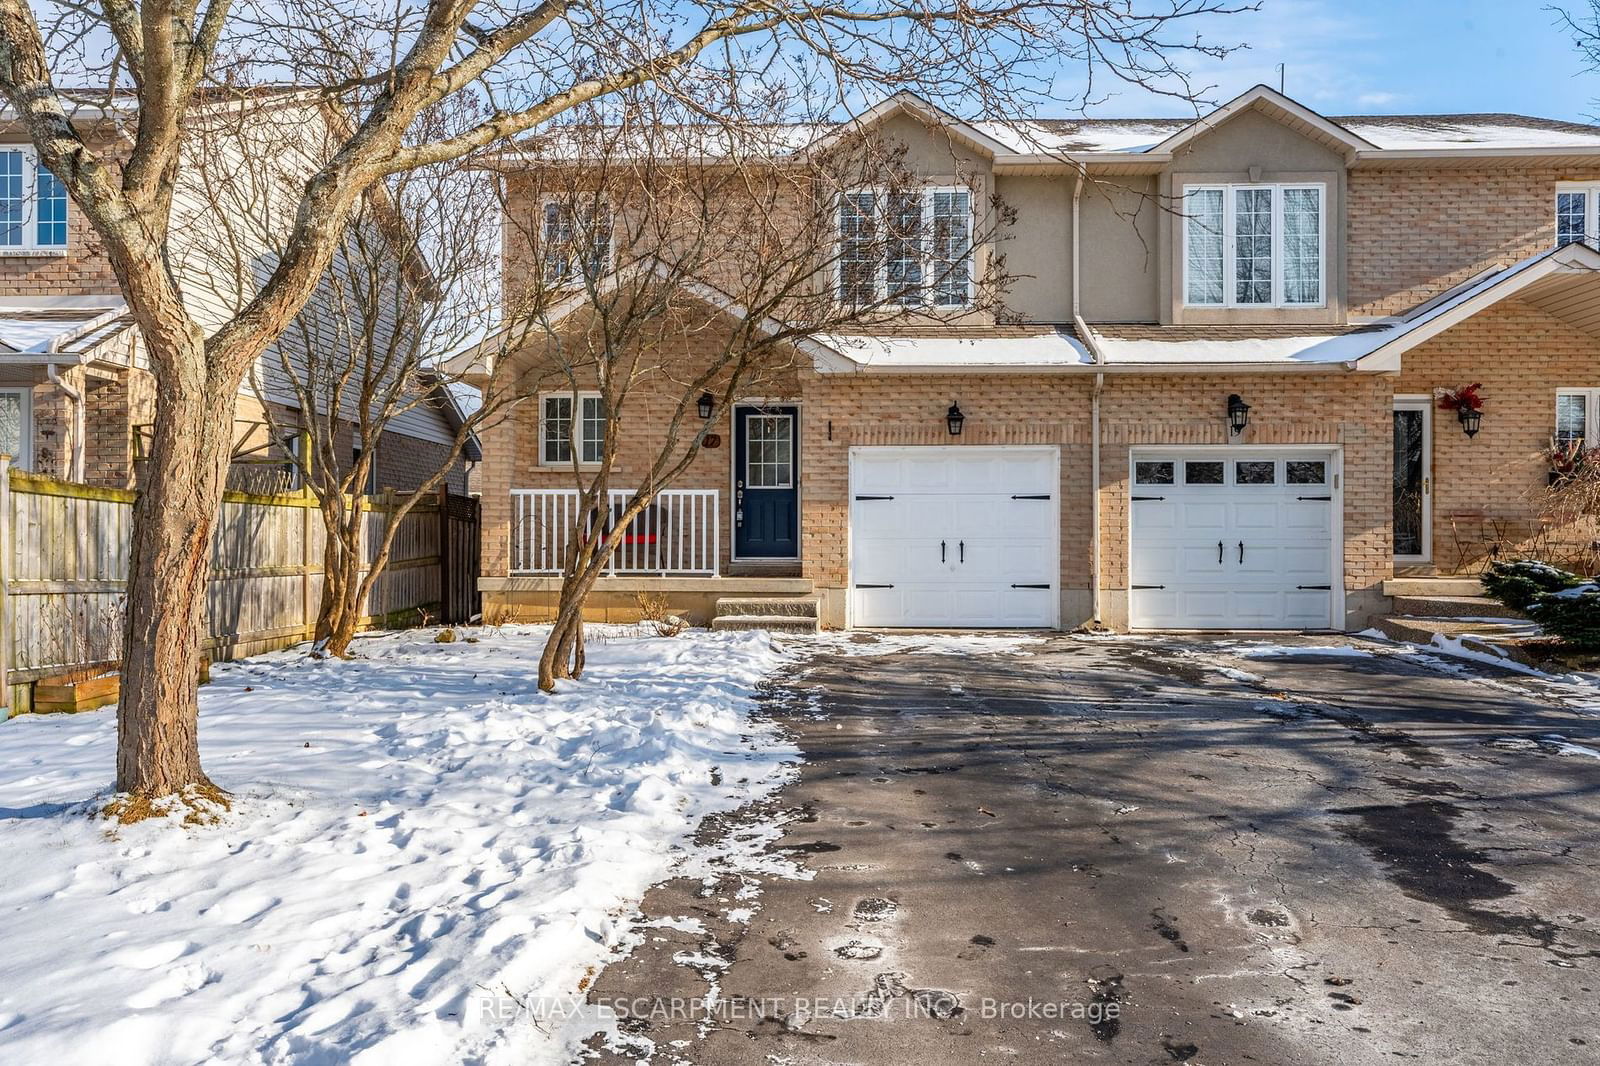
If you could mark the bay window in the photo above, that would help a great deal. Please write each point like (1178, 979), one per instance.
(33, 204)
(909, 247)
(1253, 245)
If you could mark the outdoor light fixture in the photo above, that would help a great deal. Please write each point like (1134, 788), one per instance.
(1471, 420)
(953, 418)
(706, 404)
(1238, 414)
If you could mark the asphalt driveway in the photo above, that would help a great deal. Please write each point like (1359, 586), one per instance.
(1146, 851)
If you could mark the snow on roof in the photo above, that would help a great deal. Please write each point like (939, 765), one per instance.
(1181, 351)
(32, 329)
(1386, 132)
(1095, 136)
(899, 352)
(1492, 131)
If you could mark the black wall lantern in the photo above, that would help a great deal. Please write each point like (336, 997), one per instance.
(1471, 420)
(954, 418)
(1238, 414)
(706, 404)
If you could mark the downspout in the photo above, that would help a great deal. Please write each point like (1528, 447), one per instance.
(75, 467)
(1087, 337)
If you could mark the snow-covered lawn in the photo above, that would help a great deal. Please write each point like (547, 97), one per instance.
(416, 834)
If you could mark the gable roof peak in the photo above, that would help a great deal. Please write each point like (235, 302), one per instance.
(1265, 98)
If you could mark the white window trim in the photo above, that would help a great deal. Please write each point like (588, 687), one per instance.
(880, 285)
(1591, 207)
(30, 209)
(24, 459)
(784, 416)
(575, 278)
(1591, 411)
(577, 399)
(1229, 281)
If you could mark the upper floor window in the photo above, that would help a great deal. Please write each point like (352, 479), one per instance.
(910, 247)
(1576, 206)
(556, 434)
(1253, 245)
(33, 203)
(576, 241)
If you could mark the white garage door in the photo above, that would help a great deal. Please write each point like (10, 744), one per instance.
(1241, 540)
(954, 537)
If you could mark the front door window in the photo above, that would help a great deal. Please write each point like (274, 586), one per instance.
(769, 452)
(14, 432)
(1410, 481)
(766, 487)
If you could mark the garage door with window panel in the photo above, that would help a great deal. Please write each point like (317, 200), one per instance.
(954, 537)
(1234, 540)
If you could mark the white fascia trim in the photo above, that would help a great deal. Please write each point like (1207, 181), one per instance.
(1352, 142)
(1386, 155)
(945, 369)
(1574, 258)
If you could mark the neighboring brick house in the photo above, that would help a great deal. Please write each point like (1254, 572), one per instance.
(77, 399)
(1270, 307)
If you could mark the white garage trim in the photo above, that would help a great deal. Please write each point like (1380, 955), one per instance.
(1332, 454)
(991, 597)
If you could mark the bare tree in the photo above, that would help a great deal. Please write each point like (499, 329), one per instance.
(1583, 24)
(413, 280)
(665, 277)
(373, 70)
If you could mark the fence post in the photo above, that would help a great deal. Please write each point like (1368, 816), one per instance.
(307, 619)
(5, 581)
(446, 578)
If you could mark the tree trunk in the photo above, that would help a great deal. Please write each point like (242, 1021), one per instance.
(174, 514)
(340, 613)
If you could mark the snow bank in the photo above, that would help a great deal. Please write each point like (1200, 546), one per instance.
(418, 836)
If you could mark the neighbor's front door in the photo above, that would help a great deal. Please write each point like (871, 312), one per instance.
(766, 486)
(1413, 479)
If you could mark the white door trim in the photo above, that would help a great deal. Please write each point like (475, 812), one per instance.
(1055, 512)
(1332, 452)
(797, 447)
(1425, 405)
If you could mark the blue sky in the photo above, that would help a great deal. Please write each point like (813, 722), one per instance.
(1397, 56)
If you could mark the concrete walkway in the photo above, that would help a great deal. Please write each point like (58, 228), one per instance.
(1150, 851)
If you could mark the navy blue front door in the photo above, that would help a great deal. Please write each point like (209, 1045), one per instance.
(766, 493)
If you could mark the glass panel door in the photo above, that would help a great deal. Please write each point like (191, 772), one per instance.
(1412, 480)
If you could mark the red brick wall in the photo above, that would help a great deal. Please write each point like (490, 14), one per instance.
(1489, 489)
(1415, 233)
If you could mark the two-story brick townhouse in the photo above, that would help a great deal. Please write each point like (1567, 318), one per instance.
(76, 395)
(1212, 401)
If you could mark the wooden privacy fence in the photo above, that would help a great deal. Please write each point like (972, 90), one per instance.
(65, 549)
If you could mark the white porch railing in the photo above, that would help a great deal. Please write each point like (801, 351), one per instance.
(678, 533)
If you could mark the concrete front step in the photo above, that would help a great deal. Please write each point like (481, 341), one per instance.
(1433, 586)
(768, 606)
(1495, 639)
(1452, 607)
(774, 623)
